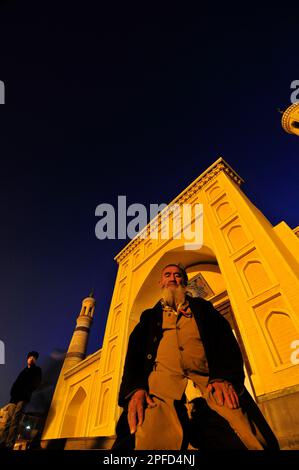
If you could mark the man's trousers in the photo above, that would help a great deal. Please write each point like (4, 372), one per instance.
(163, 429)
(10, 430)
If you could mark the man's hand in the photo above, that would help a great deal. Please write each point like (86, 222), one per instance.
(136, 408)
(225, 394)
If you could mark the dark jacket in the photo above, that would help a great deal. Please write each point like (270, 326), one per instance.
(206, 429)
(27, 381)
(222, 350)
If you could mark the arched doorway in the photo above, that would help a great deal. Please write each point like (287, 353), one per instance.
(74, 417)
(205, 280)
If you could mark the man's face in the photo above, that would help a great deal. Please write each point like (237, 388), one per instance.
(171, 277)
(31, 360)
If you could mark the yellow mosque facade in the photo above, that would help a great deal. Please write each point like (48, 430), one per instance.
(248, 269)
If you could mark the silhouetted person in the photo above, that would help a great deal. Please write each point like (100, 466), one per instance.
(27, 381)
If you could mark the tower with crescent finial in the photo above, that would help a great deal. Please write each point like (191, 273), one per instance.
(290, 119)
(78, 344)
(76, 354)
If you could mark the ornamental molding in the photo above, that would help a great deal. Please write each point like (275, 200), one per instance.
(287, 118)
(96, 356)
(296, 231)
(202, 180)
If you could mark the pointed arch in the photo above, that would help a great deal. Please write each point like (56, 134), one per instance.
(282, 333)
(73, 421)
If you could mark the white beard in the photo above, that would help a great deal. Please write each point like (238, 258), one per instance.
(174, 295)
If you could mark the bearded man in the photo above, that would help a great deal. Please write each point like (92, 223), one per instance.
(183, 338)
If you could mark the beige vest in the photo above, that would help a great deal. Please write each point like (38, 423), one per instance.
(180, 357)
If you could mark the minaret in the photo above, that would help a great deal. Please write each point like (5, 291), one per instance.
(78, 344)
(75, 354)
(290, 119)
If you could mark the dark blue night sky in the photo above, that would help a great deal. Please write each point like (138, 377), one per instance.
(101, 104)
